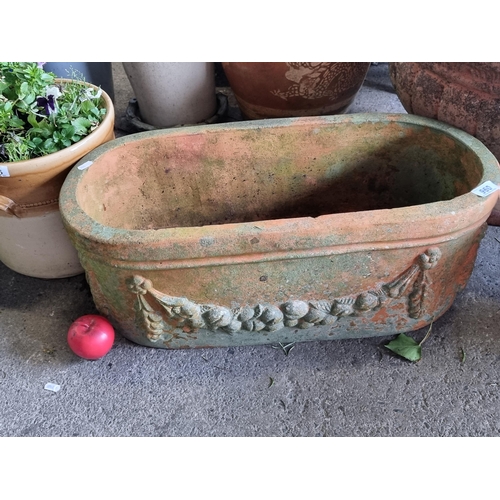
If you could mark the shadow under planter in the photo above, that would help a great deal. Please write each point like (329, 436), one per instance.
(279, 230)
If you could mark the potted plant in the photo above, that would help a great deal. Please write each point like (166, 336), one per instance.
(46, 125)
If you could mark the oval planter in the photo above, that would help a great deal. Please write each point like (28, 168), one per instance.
(33, 239)
(278, 89)
(279, 230)
(173, 93)
(465, 95)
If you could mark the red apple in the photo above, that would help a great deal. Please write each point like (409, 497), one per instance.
(91, 336)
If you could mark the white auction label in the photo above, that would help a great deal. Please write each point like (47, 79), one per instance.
(485, 189)
(85, 165)
(4, 171)
(52, 387)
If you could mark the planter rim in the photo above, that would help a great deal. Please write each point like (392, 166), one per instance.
(326, 231)
(46, 162)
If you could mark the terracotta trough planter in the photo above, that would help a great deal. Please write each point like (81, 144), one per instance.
(279, 230)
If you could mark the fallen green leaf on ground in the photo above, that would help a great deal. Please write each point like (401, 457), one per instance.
(408, 348)
(405, 347)
(463, 355)
(271, 382)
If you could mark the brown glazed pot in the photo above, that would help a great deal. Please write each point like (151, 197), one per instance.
(465, 95)
(280, 230)
(281, 89)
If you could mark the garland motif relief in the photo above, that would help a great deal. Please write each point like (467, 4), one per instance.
(189, 316)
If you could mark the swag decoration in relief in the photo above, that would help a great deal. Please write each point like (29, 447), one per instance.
(189, 316)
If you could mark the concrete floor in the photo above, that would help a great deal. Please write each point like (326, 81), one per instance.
(337, 388)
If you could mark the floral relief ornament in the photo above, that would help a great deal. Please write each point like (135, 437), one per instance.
(189, 316)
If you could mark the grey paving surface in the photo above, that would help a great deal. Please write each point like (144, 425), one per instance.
(338, 388)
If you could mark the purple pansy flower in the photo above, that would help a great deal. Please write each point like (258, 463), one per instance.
(49, 102)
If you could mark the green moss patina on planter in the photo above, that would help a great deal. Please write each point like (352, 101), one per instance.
(279, 230)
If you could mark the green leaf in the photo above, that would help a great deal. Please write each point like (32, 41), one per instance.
(405, 347)
(81, 125)
(44, 129)
(16, 123)
(25, 88)
(33, 121)
(30, 98)
(47, 78)
(49, 145)
(68, 131)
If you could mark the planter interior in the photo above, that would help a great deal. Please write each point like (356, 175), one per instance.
(280, 230)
